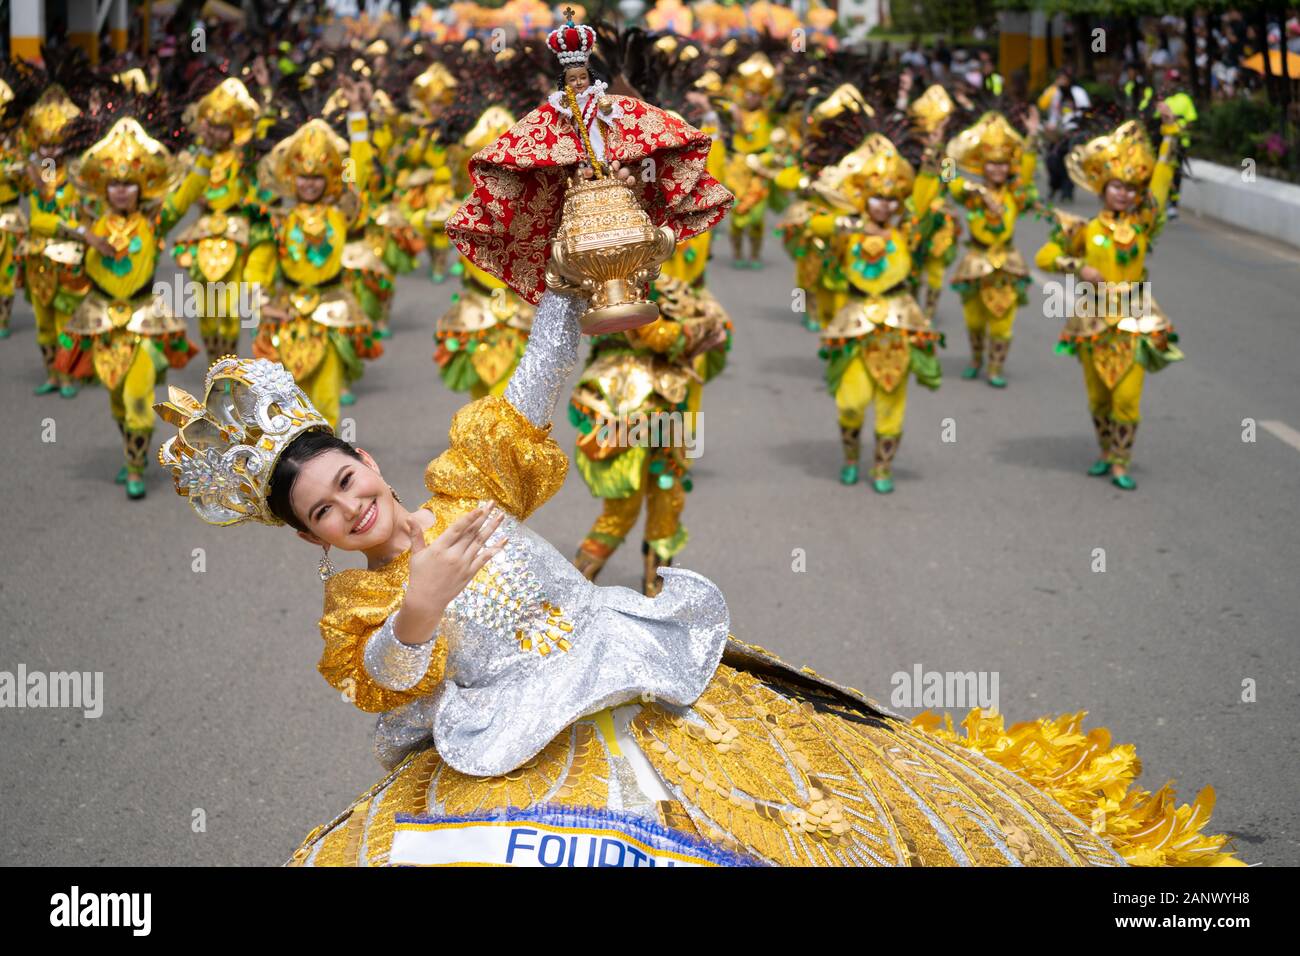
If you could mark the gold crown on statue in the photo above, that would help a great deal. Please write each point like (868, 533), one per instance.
(990, 140)
(127, 153)
(1125, 154)
(47, 121)
(227, 446)
(230, 104)
(572, 43)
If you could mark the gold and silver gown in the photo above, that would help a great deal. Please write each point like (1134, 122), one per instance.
(554, 722)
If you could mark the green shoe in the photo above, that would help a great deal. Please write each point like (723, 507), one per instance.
(997, 381)
(739, 264)
(383, 333)
(1123, 482)
(121, 476)
(849, 475)
(811, 324)
(437, 278)
(45, 388)
(5, 333)
(135, 488)
(970, 371)
(883, 486)
(68, 391)
(1099, 467)
(347, 398)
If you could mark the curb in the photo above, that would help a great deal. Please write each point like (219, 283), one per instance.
(1266, 206)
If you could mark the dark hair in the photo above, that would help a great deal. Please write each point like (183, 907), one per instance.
(301, 450)
(592, 72)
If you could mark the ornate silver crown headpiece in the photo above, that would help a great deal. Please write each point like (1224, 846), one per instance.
(227, 446)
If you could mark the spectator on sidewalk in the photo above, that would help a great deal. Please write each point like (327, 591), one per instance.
(1184, 110)
(1060, 104)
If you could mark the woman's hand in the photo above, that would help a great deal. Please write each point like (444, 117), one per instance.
(440, 571)
(1091, 274)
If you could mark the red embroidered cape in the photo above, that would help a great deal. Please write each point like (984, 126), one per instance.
(506, 225)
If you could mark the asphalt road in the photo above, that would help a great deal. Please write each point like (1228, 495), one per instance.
(220, 744)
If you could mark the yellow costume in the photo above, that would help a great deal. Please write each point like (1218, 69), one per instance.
(484, 333)
(747, 169)
(215, 248)
(316, 321)
(426, 170)
(881, 334)
(735, 757)
(53, 277)
(136, 333)
(818, 258)
(939, 231)
(636, 408)
(992, 276)
(1116, 328)
(13, 224)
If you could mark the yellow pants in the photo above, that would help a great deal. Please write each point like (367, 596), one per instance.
(132, 401)
(8, 266)
(1120, 404)
(479, 390)
(980, 319)
(663, 512)
(324, 385)
(934, 270)
(828, 302)
(49, 323)
(857, 390)
(225, 322)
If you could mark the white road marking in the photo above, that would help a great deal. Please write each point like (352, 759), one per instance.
(1283, 432)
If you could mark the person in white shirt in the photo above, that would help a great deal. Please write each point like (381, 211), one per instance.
(1061, 103)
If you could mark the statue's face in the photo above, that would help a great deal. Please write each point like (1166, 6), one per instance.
(577, 78)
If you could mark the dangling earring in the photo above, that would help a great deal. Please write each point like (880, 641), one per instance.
(326, 567)
(396, 496)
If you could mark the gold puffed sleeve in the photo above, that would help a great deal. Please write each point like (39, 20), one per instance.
(497, 453)
(357, 602)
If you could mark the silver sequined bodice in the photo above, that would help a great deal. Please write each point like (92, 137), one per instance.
(532, 645)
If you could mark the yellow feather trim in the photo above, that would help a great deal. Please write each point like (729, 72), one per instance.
(1097, 783)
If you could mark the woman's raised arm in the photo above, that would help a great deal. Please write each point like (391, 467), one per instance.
(552, 352)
